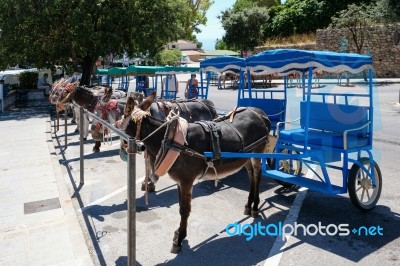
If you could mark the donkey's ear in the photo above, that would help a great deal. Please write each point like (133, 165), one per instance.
(148, 101)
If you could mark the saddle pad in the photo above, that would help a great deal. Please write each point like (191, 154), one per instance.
(111, 105)
(172, 155)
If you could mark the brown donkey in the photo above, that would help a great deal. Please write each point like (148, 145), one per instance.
(243, 131)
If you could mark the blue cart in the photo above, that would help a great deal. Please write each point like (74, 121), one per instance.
(334, 131)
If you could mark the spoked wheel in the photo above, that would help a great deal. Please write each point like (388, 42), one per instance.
(362, 194)
(289, 166)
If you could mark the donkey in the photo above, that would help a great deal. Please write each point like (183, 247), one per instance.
(191, 110)
(246, 130)
(95, 101)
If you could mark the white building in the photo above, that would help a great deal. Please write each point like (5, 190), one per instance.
(182, 45)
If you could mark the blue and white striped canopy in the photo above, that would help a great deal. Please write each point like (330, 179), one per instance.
(223, 63)
(282, 61)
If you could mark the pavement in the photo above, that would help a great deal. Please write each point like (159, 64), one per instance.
(38, 223)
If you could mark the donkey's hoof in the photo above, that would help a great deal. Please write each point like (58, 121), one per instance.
(96, 149)
(176, 249)
(76, 130)
(150, 186)
(84, 139)
(247, 211)
(254, 214)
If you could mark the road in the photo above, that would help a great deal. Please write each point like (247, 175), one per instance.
(102, 201)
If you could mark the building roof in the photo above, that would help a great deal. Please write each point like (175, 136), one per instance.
(214, 53)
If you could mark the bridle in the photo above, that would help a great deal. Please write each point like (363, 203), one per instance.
(138, 115)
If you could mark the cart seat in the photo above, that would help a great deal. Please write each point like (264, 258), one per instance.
(323, 138)
(327, 123)
(273, 108)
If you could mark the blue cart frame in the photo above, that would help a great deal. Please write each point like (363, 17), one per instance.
(329, 130)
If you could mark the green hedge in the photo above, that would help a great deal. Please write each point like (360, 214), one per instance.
(28, 80)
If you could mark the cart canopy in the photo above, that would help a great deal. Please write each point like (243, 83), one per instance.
(283, 61)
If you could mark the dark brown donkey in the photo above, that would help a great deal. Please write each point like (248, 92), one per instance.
(191, 110)
(91, 99)
(246, 130)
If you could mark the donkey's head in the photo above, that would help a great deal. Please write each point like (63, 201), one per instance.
(65, 97)
(137, 112)
(107, 96)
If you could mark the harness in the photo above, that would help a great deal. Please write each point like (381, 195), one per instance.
(175, 133)
(172, 146)
(105, 109)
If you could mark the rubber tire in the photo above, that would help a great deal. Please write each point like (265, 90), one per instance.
(271, 164)
(351, 182)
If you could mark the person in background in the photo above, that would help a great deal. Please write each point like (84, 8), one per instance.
(172, 86)
(192, 86)
(143, 81)
(44, 84)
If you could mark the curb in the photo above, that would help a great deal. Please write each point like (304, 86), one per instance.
(80, 248)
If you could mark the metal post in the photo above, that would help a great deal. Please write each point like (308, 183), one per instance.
(65, 129)
(81, 136)
(131, 183)
(1, 96)
(58, 121)
(131, 202)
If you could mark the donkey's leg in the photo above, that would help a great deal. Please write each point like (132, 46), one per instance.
(97, 146)
(253, 167)
(176, 233)
(76, 118)
(250, 200)
(85, 127)
(184, 210)
(256, 164)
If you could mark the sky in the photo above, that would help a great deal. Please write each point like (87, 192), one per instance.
(213, 29)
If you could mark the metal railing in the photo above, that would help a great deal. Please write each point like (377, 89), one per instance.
(133, 148)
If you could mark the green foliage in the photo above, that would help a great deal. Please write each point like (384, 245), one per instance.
(168, 57)
(303, 16)
(64, 32)
(195, 16)
(295, 17)
(221, 45)
(357, 20)
(241, 5)
(386, 11)
(244, 29)
(28, 80)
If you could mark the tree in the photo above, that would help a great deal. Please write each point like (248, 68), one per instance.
(168, 57)
(243, 29)
(241, 5)
(195, 17)
(221, 45)
(44, 33)
(386, 11)
(303, 16)
(356, 20)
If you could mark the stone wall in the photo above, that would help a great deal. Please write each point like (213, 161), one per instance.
(379, 44)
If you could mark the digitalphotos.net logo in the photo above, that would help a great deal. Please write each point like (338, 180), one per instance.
(285, 230)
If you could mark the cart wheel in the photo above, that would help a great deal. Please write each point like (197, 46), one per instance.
(361, 192)
(292, 167)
